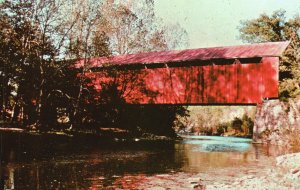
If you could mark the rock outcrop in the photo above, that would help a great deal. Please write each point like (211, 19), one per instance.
(277, 122)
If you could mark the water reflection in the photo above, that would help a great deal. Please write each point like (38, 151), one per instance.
(7, 178)
(51, 162)
(218, 144)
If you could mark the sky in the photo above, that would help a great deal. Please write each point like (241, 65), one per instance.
(211, 23)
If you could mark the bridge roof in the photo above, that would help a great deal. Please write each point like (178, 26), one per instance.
(269, 49)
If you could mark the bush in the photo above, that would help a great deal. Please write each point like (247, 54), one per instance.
(206, 130)
(247, 125)
(238, 127)
(222, 128)
(237, 124)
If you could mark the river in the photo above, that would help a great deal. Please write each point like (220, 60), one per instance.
(62, 162)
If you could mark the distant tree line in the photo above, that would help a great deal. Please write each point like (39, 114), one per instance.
(218, 120)
(40, 40)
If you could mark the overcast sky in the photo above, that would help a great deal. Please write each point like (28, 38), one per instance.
(214, 22)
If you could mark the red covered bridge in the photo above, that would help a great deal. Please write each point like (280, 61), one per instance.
(244, 74)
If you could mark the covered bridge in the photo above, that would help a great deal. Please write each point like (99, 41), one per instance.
(244, 74)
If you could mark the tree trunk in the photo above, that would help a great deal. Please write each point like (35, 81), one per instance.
(16, 113)
(76, 107)
(40, 102)
(15, 108)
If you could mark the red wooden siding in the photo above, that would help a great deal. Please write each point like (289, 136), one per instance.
(224, 75)
(237, 83)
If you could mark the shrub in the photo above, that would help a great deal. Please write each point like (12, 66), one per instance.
(247, 125)
(237, 124)
(222, 128)
(206, 130)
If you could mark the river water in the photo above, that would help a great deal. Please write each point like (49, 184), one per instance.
(61, 162)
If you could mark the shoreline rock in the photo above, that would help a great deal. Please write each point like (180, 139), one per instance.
(277, 123)
(285, 175)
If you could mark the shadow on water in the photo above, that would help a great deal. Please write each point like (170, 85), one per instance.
(60, 162)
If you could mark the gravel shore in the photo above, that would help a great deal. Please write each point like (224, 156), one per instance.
(285, 175)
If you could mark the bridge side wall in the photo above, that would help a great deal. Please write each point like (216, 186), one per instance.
(241, 83)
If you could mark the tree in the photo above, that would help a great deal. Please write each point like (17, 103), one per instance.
(276, 27)
(26, 50)
(133, 27)
(33, 34)
(83, 45)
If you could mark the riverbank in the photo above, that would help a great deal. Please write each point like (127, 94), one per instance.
(284, 175)
(104, 134)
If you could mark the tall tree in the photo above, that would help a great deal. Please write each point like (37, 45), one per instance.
(25, 53)
(83, 46)
(133, 27)
(276, 27)
(33, 33)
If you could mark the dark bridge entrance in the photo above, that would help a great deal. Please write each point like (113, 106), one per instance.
(244, 74)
